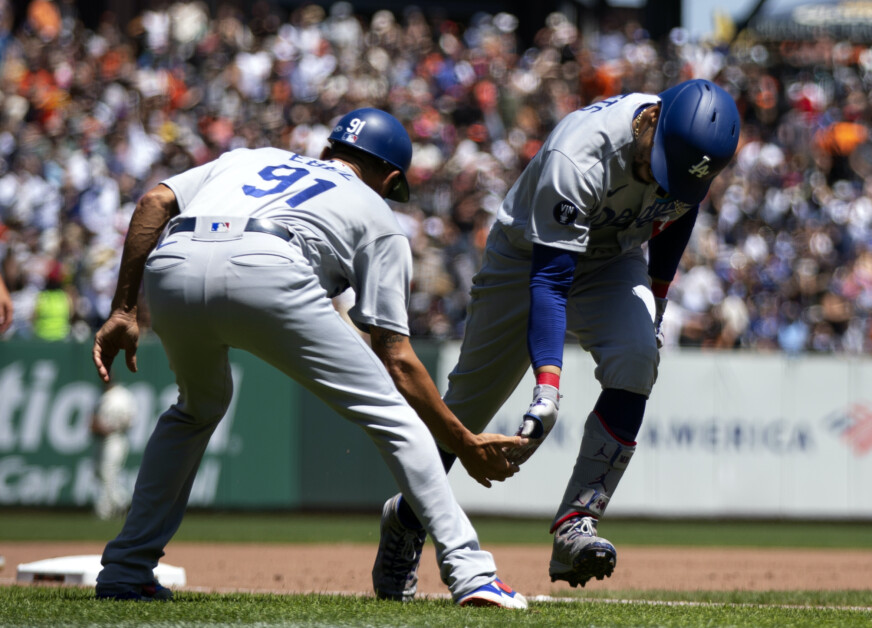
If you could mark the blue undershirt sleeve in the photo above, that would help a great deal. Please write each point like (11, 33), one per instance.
(551, 274)
(666, 248)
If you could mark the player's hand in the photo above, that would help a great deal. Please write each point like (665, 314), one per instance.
(119, 332)
(485, 460)
(537, 422)
(659, 309)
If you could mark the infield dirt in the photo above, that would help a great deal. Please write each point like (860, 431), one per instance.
(346, 567)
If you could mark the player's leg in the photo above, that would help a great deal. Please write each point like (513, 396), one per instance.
(176, 294)
(292, 325)
(493, 355)
(611, 311)
(103, 503)
(493, 359)
(115, 447)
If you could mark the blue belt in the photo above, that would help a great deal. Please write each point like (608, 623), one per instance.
(260, 225)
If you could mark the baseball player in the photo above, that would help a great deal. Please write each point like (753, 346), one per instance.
(254, 246)
(566, 254)
(110, 424)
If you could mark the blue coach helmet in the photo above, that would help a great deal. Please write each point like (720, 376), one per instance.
(380, 134)
(696, 136)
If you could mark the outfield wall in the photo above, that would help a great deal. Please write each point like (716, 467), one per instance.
(278, 446)
(726, 434)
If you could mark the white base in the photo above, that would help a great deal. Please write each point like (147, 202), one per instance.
(83, 570)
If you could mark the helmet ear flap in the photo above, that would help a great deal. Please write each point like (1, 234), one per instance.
(400, 191)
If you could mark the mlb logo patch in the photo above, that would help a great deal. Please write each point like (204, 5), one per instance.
(351, 138)
(220, 227)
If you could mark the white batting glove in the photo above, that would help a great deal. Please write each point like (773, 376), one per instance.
(538, 422)
(659, 308)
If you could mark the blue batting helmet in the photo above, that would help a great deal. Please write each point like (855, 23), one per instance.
(696, 136)
(380, 134)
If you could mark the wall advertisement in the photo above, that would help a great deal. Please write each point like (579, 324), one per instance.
(726, 434)
(278, 446)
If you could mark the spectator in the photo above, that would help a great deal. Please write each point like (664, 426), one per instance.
(53, 310)
(89, 120)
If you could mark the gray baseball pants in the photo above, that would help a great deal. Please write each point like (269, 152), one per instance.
(259, 293)
(610, 309)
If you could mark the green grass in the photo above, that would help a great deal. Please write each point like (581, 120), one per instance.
(63, 606)
(50, 606)
(27, 525)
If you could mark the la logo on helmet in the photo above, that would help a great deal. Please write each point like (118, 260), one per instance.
(701, 169)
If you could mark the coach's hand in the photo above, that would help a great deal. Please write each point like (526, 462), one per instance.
(484, 458)
(119, 332)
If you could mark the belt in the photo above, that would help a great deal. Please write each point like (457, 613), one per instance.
(260, 225)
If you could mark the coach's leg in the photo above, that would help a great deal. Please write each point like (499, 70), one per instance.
(493, 353)
(314, 346)
(175, 448)
(493, 359)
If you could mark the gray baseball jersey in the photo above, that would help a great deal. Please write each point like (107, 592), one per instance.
(350, 235)
(578, 193)
(215, 285)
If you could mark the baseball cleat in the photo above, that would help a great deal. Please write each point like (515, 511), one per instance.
(496, 593)
(579, 554)
(150, 592)
(395, 572)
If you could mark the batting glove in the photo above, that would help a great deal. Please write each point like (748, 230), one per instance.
(659, 308)
(538, 421)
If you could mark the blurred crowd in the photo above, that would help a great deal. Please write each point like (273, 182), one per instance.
(781, 258)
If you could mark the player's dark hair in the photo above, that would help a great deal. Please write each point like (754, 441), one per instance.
(370, 162)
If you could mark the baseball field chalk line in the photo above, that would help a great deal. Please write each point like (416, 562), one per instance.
(804, 607)
(549, 598)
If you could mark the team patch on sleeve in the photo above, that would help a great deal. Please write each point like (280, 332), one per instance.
(565, 212)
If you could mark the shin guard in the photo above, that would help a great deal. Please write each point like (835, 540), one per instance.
(602, 460)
